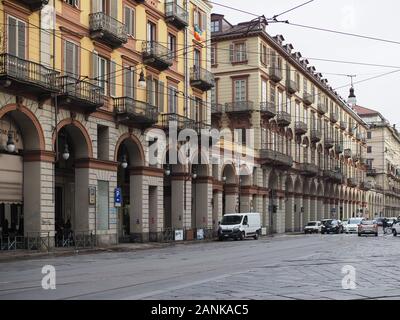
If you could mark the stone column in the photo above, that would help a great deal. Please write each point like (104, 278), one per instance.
(217, 209)
(202, 212)
(231, 198)
(298, 214)
(280, 216)
(320, 208)
(289, 213)
(307, 213)
(177, 202)
(139, 208)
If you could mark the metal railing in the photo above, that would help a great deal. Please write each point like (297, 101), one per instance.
(292, 86)
(158, 51)
(135, 108)
(268, 108)
(334, 117)
(275, 73)
(283, 118)
(239, 106)
(274, 156)
(300, 127)
(316, 135)
(216, 108)
(99, 21)
(182, 121)
(308, 98)
(77, 240)
(172, 9)
(322, 108)
(80, 89)
(28, 71)
(198, 74)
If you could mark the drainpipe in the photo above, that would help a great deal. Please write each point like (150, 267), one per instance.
(186, 62)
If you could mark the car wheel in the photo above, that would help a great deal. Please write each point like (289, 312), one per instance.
(242, 236)
(359, 234)
(394, 232)
(221, 239)
(376, 234)
(256, 236)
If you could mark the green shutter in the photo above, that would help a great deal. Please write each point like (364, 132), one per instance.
(161, 97)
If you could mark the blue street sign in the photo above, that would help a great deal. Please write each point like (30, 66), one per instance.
(118, 197)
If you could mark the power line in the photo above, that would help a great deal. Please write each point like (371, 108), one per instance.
(235, 9)
(292, 9)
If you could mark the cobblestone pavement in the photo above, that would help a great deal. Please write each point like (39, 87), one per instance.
(288, 267)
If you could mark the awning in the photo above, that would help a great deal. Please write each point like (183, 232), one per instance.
(11, 179)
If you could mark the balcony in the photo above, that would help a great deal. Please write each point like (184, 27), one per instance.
(34, 5)
(283, 119)
(268, 109)
(239, 107)
(308, 169)
(201, 79)
(300, 128)
(176, 15)
(216, 108)
(275, 74)
(156, 55)
(275, 158)
(371, 172)
(308, 99)
(26, 76)
(79, 94)
(356, 157)
(107, 30)
(352, 182)
(200, 126)
(329, 143)
(334, 117)
(316, 136)
(339, 149)
(366, 186)
(182, 122)
(348, 153)
(132, 112)
(343, 125)
(322, 108)
(333, 175)
(292, 86)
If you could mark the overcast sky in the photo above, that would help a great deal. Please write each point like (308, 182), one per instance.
(378, 19)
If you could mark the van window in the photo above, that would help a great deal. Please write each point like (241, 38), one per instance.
(231, 220)
(245, 221)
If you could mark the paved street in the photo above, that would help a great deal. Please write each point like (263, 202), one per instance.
(287, 267)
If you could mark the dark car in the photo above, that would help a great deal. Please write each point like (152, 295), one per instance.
(331, 226)
(379, 221)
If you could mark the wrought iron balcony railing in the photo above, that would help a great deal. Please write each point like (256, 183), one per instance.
(239, 106)
(79, 93)
(292, 86)
(329, 143)
(308, 99)
(308, 169)
(283, 118)
(316, 136)
(201, 79)
(176, 15)
(343, 125)
(334, 117)
(322, 108)
(371, 172)
(339, 149)
(275, 73)
(34, 5)
(352, 182)
(333, 175)
(181, 122)
(268, 109)
(348, 153)
(156, 55)
(275, 158)
(25, 75)
(135, 112)
(300, 128)
(366, 186)
(216, 108)
(107, 29)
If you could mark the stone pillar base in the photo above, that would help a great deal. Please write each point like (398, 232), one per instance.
(155, 237)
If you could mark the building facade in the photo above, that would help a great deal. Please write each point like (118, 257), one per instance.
(383, 160)
(310, 146)
(81, 85)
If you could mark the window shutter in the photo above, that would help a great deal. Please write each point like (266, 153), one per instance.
(128, 20)
(150, 93)
(114, 9)
(128, 85)
(95, 68)
(232, 52)
(96, 6)
(113, 77)
(21, 39)
(68, 58)
(244, 53)
(161, 97)
(12, 36)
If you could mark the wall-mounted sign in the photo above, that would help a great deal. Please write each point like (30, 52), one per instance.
(200, 234)
(178, 235)
(92, 196)
(117, 197)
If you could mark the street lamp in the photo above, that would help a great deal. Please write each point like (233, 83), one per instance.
(66, 153)
(142, 80)
(10, 143)
(124, 163)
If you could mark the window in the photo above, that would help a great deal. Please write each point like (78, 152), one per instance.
(369, 135)
(297, 111)
(199, 19)
(215, 26)
(370, 163)
(240, 90)
(196, 59)
(129, 81)
(280, 101)
(213, 94)
(16, 41)
(369, 149)
(172, 99)
(238, 52)
(264, 96)
(103, 141)
(288, 107)
(213, 55)
(151, 31)
(74, 3)
(264, 54)
(305, 115)
(130, 21)
(103, 71)
(172, 45)
(71, 59)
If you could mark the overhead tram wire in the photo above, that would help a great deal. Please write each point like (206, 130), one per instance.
(274, 18)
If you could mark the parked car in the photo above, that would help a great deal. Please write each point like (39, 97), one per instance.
(379, 221)
(240, 226)
(368, 227)
(396, 228)
(313, 227)
(331, 226)
(391, 221)
(352, 225)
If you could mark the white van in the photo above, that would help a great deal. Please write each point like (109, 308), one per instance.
(240, 226)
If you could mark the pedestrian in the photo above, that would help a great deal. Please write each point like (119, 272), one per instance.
(384, 225)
